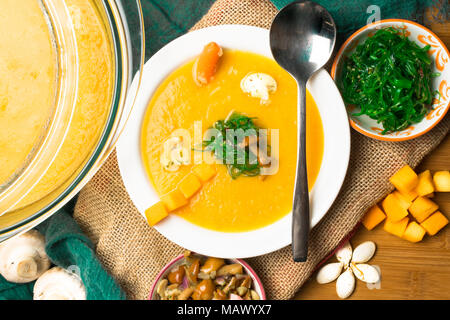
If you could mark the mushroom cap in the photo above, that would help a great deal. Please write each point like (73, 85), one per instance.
(23, 258)
(59, 284)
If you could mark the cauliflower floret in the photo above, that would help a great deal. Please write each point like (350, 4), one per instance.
(259, 85)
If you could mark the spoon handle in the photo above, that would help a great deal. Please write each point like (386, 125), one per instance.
(300, 211)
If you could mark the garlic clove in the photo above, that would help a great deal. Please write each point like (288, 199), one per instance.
(365, 272)
(23, 258)
(344, 254)
(345, 284)
(364, 252)
(59, 284)
(329, 272)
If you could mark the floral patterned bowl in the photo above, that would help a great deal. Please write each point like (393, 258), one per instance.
(440, 56)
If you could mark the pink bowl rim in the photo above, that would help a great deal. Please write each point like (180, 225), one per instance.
(181, 256)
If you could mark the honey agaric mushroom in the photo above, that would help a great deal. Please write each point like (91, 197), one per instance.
(23, 258)
(59, 284)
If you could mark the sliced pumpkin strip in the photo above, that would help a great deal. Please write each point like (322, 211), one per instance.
(425, 185)
(396, 228)
(434, 223)
(441, 181)
(414, 232)
(204, 171)
(393, 208)
(189, 185)
(156, 213)
(405, 179)
(373, 217)
(422, 207)
(174, 200)
(405, 202)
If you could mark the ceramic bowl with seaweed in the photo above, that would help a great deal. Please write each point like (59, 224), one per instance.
(393, 76)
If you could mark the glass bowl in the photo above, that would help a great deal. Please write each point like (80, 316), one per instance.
(121, 22)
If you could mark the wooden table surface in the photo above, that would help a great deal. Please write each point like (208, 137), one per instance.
(408, 270)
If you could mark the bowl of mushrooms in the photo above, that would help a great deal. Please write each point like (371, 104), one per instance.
(23, 259)
(196, 277)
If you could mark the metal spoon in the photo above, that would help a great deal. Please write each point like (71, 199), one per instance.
(302, 38)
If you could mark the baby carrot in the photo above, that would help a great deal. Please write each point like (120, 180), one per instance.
(206, 64)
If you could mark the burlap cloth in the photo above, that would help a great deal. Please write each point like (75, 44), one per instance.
(134, 253)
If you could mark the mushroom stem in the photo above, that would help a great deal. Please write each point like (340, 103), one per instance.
(27, 268)
(23, 258)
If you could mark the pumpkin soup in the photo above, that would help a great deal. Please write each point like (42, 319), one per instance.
(226, 203)
(94, 98)
(27, 65)
(27, 83)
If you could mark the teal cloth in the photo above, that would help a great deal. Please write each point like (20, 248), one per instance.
(350, 15)
(164, 21)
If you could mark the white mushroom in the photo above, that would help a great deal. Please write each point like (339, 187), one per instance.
(23, 258)
(59, 284)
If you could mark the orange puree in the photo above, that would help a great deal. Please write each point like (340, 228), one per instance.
(245, 203)
(94, 88)
(27, 82)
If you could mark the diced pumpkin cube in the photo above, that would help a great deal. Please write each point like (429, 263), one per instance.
(204, 171)
(396, 228)
(156, 213)
(414, 232)
(410, 195)
(404, 201)
(430, 195)
(434, 223)
(405, 179)
(393, 208)
(174, 200)
(422, 207)
(189, 185)
(425, 185)
(373, 217)
(441, 181)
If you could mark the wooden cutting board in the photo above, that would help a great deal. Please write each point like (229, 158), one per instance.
(409, 270)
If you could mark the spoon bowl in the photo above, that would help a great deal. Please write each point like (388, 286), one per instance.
(302, 39)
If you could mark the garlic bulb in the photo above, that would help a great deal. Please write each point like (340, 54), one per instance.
(23, 258)
(59, 284)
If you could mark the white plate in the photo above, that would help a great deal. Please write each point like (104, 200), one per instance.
(241, 244)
